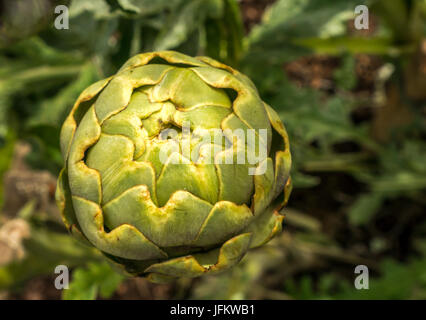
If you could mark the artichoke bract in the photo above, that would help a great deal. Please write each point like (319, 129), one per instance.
(150, 181)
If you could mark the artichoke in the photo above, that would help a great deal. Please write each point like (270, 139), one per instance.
(140, 199)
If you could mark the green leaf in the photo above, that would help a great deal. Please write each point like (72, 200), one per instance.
(45, 250)
(345, 76)
(364, 208)
(147, 7)
(185, 21)
(7, 143)
(398, 281)
(289, 20)
(53, 110)
(400, 171)
(341, 44)
(99, 8)
(92, 26)
(88, 282)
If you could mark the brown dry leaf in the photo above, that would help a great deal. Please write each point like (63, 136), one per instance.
(12, 234)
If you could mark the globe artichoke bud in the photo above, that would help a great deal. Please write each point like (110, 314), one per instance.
(174, 167)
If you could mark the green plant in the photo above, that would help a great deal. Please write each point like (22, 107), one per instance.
(176, 207)
(93, 280)
(338, 90)
(41, 66)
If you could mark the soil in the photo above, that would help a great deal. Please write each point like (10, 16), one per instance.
(252, 11)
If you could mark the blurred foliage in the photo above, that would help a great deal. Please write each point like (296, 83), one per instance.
(389, 286)
(48, 246)
(358, 143)
(91, 281)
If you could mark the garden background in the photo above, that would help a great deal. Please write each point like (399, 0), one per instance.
(353, 102)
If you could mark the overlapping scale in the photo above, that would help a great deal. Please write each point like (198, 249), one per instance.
(191, 212)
